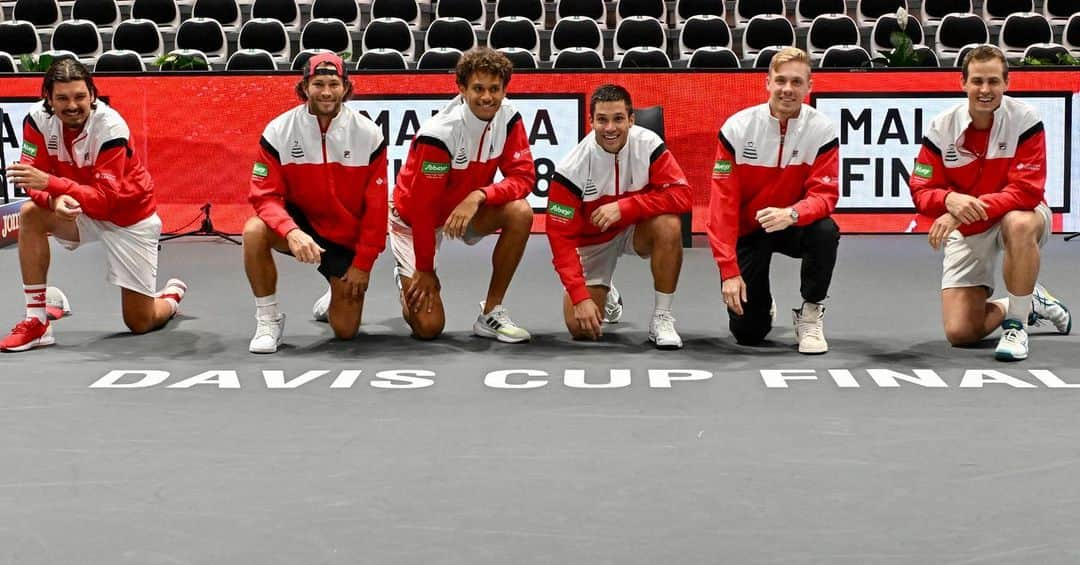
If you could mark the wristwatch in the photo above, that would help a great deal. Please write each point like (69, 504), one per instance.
(794, 216)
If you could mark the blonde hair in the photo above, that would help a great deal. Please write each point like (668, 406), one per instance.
(789, 55)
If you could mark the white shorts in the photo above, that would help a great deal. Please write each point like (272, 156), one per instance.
(972, 260)
(598, 261)
(401, 242)
(131, 253)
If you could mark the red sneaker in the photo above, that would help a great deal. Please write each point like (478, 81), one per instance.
(28, 334)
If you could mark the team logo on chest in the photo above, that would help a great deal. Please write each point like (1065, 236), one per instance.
(590, 188)
(749, 152)
(951, 154)
(462, 157)
(53, 144)
(296, 151)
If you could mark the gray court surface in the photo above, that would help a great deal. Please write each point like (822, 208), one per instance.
(963, 461)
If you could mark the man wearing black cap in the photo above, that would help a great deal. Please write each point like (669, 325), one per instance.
(319, 192)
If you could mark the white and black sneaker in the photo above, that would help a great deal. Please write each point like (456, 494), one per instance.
(497, 324)
(268, 334)
(1047, 308)
(613, 306)
(809, 328)
(662, 331)
(321, 309)
(1013, 345)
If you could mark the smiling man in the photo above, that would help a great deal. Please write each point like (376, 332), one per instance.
(446, 188)
(981, 177)
(619, 191)
(319, 192)
(86, 184)
(774, 187)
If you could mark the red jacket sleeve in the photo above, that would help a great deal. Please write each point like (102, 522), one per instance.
(373, 224)
(724, 203)
(1026, 185)
(430, 160)
(927, 183)
(822, 186)
(96, 199)
(667, 193)
(34, 154)
(516, 164)
(267, 190)
(565, 220)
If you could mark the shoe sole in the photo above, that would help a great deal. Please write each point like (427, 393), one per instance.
(670, 347)
(40, 342)
(483, 331)
(813, 351)
(1006, 356)
(262, 351)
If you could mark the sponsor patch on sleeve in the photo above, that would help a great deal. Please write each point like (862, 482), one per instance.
(560, 212)
(722, 167)
(434, 169)
(923, 170)
(29, 149)
(260, 170)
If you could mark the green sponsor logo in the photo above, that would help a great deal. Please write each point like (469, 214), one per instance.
(29, 149)
(561, 211)
(260, 170)
(722, 168)
(923, 170)
(433, 168)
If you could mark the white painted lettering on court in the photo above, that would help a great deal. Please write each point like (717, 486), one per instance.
(778, 378)
(276, 379)
(147, 378)
(1051, 380)
(843, 378)
(221, 379)
(886, 378)
(501, 379)
(976, 378)
(617, 378)
(346, 378)
(662, 378)
(403, 378)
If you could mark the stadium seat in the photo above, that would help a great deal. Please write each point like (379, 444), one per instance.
(119, 61)
(326, 34)
(686, 9)
(452, 32)
(407, 10)
(382, 60)
(58, 54)
(881, 34)
(763, 57)
(104, 13)
(766, 31)
(514, 31)
(807, 10)
(844, 57)
(576, 31)
(285, 11)
(578, 58)
(713, 58)
(7, 63)
(302, 57)
(390, 33)
(44, 14)
(930, 58)
(251, 60)
(994, 12)
(644, 58)
(141, 36)
(225, 12)
(592, 9)
(1021, 30)
(532, 10)
(639, 31)
(348, 11)
(828, 30)
(703, 31)
(1058, 12)
(193, 53)
(649, 8)
(1070, 36)
(746, 10)
(81, 37)
(472, 11)
(164, 13)
(1045, 51)
(957, 30)
(933, 10)
(19, 38)
(868, 11)
(266, 34)
(520, 58)
(205, 35)
(440, 58)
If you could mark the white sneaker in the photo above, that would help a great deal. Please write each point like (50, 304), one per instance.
(56, 303)
(498, 325)
(321, 310)
(809, 328)
(1013, 345)
(662, 331)
(267, 335)
(1047, 308)
(613, 306)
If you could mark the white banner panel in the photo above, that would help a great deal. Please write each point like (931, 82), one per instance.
(11, 136)
(880, 137)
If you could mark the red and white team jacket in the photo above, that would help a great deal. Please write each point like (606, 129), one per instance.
(337, 178)
(453, 154)
(759, 166)
(1009, 175)
(643, 178)
(95, 166)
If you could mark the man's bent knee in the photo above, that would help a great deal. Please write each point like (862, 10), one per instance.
(1021, 227)
(959, 335)
(518, 213)
(824, 229)
(425, 328)
(139, 324)
(256, 230)
(32, 216)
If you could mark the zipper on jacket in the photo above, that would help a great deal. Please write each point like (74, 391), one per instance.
(616, 174)
(480, 147)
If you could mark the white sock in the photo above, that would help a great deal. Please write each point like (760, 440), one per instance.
(662, 301)
(35, 301)
(266, 307)
(1019, 308)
